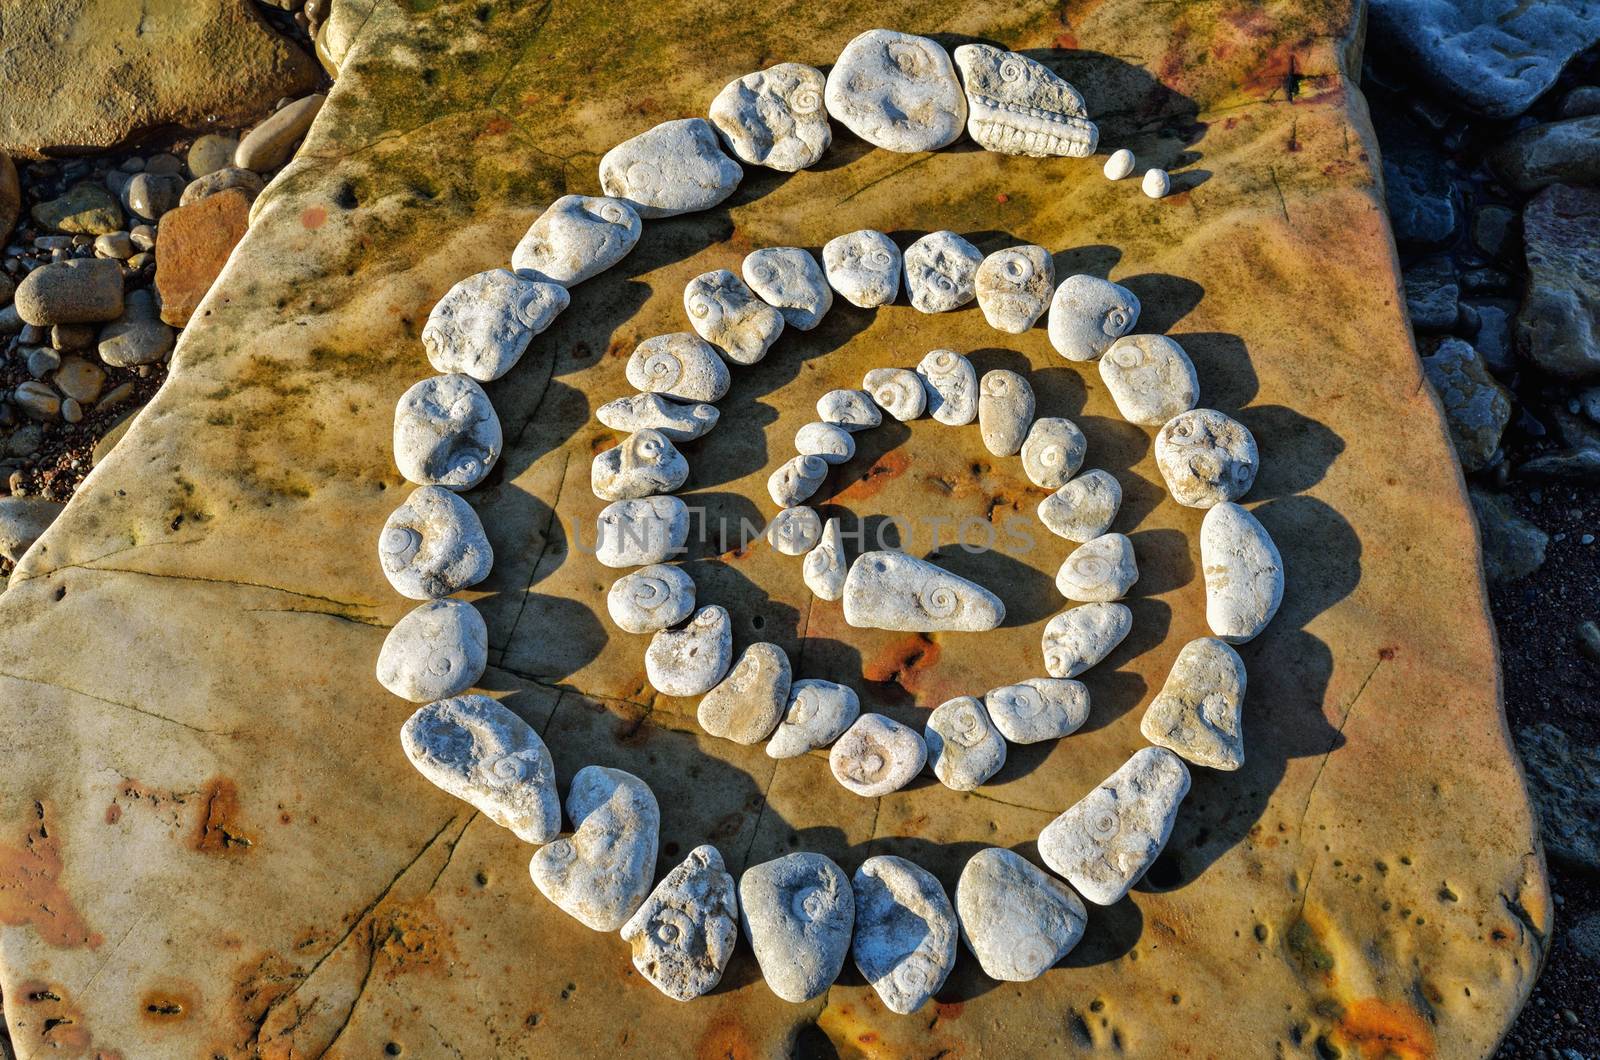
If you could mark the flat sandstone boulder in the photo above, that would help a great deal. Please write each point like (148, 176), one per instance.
(223, 822)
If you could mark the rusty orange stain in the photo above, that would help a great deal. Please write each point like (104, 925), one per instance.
(725, 1039)
(48, 1020)
(901, 660)
(313, 216)
(113, 813)
(219, 831)
(413, 939)
(162, 1006)
(31, 891)
(498, 125)
(886, 468)
(949, 1010)
(1377, 1029)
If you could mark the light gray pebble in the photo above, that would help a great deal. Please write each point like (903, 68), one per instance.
(1103, 844)
(877, 755)
(269, 145)
(1053, 451)
(71, 410)
(651, 599)
(1206, 458)
(650, 411)
(601, 874)
(796, 479)
(576, 238)
(117, 245)
(1038, 709)
(1099, 570)
(952, 385)
(143, 236)
(1243, 573)
(746, 705)
(727, 314)
(446, 433)
(1014, 287)
(1083, 636)
(1017, 106)
(775, 117)
(905, 931)
(679, 365)
(1156, 183)
(438, 650)
(798, 912)
(829, 441)
(690, 661)
(645, 463)
(941, 271)
(1198, 712)
(1084, 508)
(641, 531)
(891, 590)
(791, 281)
(1150, 378)
(1088, 314)
(684, 933)
(897, 391)
(42, 360)
(1120, 164)
(854, 410)
(677, 167)
(227, 178)
(795, 531)
(864, 267)
(1018, 920)
(897, 91)
(482, 325)
(433, 545)
(964, 747)
(824, 568)
(484, 754)
(817, 714)
(1005, 411)
(149, 195)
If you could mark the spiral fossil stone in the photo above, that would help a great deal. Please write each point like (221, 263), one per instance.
(952, 386)
(577, 237)
(679, 365)
(905, 931)
(433, 545)
(775, 117)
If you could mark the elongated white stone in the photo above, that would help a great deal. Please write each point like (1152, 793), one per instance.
(690, 661)
(727, 314)
(1088, 314)
(684, 933)
(1014, 287)
(824, 568)
(1206, 458)
(854, 410)
(638, 412)
(829, 441)
(679, 365)
(864, 267)
(1156, 183)
(645, 463)
(1038, 709)
(1104, 843)
(1243, 572)
(1053, 451)
(1120, 164)
(952, 385)
(676, 167)
(796, 479)
(905, 931)
(1084, 508)
(437, 651)
(791, 281)
(483, 754)
(577, 238)
(1016, 919)
(818, 713)
(897, 391)
(745, 705)
(877, 755)
(1197, 713)
(941, 272)
(897, 91)
(446, 433)
(964, 747)
(795, 531)
(433, 545)
(641, 531)
(601, 873)
(482, 325)
(1005, 411)
(891, 590)
(1098, 570)
(1150, 378)
(651, 599)
(1017, 106)
(1083, 636)
(775, 117)
(798, 912)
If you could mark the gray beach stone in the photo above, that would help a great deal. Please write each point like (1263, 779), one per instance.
(864, 267)
(877, 755)
(1014, 286)
(790, 280)
(1038, 709)
(678, 365)
(1103, 844)
(482, 753)
(1018, 920)
(446, 433)
(818, 713)
(1243, 572)
(854, 410)
(796, 479)
(1206, 458)
(224, 179)
(1083, 636)
(727, 314)
(482, 325)
(684, 933)
(897, 91)
(645, 463)
(23, 520)
(798, 912)
(601, 874)
(952, 385)
(677, 167)
(74, 291)
(746, 705)
(1053, 452)
(1005, 411)
(641, 531)
(824, 568)
(1197, 713)
(964, 747)
(269, 145)
(941, 272)
(795, 531)
(1016, 106)
(651, 411)
(905, 931)
(211, 152)
(829, 441)
(1088, 314)
(775, 117)
(690, 661)
(1098, 570)
(139, 335)
(438, 650)
(891, 590)
(1084, 508)
(651, 599)
(577, 238)
(433, 545)
(1150, 378)
(897, 391)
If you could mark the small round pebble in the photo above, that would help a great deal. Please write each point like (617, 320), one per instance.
(952, 385)
(1099, 570)
(775, 117)
(745, 706)
(641, 531)
(964, 747)
(1120, 164)
(789, 279)
(854, 410)
(600, 875)
(438, 650)
(433, 545)
(482, 325)
(1197, 713)
(446, 433)
(877, 755)
(1206, 458)
(1016, 919)
(829, 441)
(1084, 508)
(1038, 709)
(818, 713)
(1243, 572)
(684, 933)
(677, 167)
(678, 365)
(645, 463)
(941, 272)
(1156, 183)
(897, 91)
(897, 391)
(1053, 452)
(577, 237)
(864, 267)
(796, 479)
(1005, 411)
(1014, 287)
(690, 661)
(1083, 636)
(795, 531)
(651, 599)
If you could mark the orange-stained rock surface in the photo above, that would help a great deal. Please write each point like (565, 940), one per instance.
(241, 862)
(192, 246)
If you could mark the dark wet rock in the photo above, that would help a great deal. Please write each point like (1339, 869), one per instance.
(1559, 326)
(1423, 203)
(22, 520)
(1563, 152)
(1496, 231)
(1493, 338)
(1476, 408)
(1585, 99)
(1431, 293)
(1513, 548)
(1564, 778)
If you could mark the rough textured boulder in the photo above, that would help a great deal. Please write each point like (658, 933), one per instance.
(192, 246)
(1559, 325)
(91, 73)
(214, 844)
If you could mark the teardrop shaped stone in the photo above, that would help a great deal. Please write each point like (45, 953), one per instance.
(891, 590)
(601, 873)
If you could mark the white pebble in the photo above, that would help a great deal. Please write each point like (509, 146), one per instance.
(641, 531)
(1016, 919)
(446, 433)
(651, 599)
(864, 267)
(891, 590)
(964, 747)
(1088, 314)
(829, 441)
(1150, 378)
(1053, 451)
(796, 479)
(1099, 570)
(775, 117)
(643, 464)
(798, 912)
(1038, 709)
(817, 714)
(1243, 572)
(676, 167)
(877, 755)
(1197, 713)
(795, 531)
(1017, 106)
(824, 567)
(897, 391)
(1014, 287)
(482, 325)
(433, 545)
(897, 91)
(1084, 508)
(438, 650)
(679, 365)
(690, 661)
(1156, 183)
(854, 410)
(952, 385)
(905, 934)
(745, 706)
(576, 238)
(1005, 411)
(941, 272)
(1206, 458)
(789, 280)
(651, 411)
(1120, 164)
(684, 933)
(727, 314)
(1082, 637)
(601, 873)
